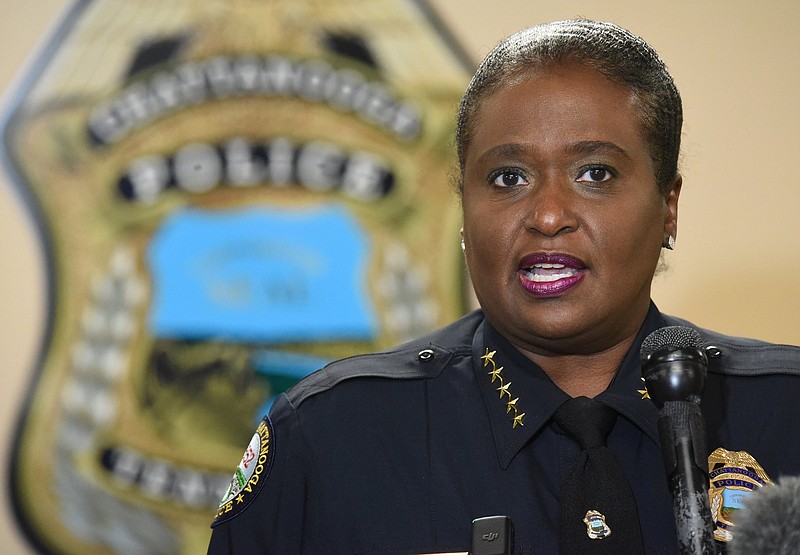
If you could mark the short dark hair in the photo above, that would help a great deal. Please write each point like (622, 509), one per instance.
(621, 56)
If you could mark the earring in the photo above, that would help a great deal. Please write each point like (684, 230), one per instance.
(669, 243)
(463, 246)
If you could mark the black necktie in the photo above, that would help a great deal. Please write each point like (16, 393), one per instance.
(598, 511)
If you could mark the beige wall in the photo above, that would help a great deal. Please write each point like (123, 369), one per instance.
(737, 261)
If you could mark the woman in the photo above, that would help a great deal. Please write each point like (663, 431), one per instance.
(568, 140)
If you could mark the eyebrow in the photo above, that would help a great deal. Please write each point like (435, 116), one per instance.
(581, 147)
(594, 147)
(504, 150)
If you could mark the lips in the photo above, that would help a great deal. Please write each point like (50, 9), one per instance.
(550, 274)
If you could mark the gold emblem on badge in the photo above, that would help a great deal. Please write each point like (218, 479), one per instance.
(732, 475)
(596, 527)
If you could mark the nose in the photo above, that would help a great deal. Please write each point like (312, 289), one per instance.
(552, 207)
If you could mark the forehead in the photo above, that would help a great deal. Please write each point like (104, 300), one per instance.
(564, 102)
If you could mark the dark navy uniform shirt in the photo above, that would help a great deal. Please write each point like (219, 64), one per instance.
(397, 452)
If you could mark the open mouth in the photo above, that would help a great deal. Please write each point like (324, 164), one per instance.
(550, 275)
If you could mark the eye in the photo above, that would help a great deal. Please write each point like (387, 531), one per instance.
(595, 174)
(508, 178)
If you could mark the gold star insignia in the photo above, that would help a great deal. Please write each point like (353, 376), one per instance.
(512, 404)
(503, 389)
(495, 373)
(240, 498)
(643, 392)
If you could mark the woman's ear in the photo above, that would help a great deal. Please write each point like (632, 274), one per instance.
(671, 216)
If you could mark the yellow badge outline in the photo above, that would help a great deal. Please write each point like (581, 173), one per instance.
(739, 472)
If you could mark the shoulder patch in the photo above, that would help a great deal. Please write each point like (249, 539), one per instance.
(251, 474)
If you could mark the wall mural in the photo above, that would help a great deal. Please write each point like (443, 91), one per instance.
(229, 194)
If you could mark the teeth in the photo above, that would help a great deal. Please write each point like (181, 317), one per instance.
(551, 277)
(548, 272)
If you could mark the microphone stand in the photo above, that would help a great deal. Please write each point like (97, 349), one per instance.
(675, 379)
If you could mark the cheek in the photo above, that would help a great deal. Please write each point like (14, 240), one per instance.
(474, 221)
(488, 236)
(636, 238)
(490, 218)
(629, 228)
(483, 243)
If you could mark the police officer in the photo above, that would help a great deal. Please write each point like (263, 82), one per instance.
(568, 138)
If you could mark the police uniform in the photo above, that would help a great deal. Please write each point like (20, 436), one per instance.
(397, 452)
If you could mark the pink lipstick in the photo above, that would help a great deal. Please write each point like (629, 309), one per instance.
(550, 274)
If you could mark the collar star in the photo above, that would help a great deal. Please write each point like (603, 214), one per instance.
(512, 404)
(496, 374)
(643, 392)
(503, 389)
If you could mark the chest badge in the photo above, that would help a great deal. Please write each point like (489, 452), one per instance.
(733, 475)
(596, 527)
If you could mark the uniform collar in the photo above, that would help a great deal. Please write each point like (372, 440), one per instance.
(513, 387)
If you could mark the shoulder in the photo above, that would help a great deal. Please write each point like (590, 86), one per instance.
(422, 358)
(741, 356)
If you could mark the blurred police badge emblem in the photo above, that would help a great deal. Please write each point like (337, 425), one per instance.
(733, 475)
(229, 194)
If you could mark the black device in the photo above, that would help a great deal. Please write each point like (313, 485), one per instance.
(674, 368)
(492, 535)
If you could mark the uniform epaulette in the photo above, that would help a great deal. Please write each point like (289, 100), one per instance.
(739, 356)
(421, 358)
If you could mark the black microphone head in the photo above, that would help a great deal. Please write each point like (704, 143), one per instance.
(670, 338)
(769, 521)
(674, 365)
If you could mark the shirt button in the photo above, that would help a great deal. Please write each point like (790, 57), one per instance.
(425, 355)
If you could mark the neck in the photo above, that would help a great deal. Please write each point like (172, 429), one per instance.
(578, 375)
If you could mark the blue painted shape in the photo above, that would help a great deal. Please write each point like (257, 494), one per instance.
(734, 499)
(261, 275)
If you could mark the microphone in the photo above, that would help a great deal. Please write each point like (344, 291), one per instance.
(674, 367)
(769, 521)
